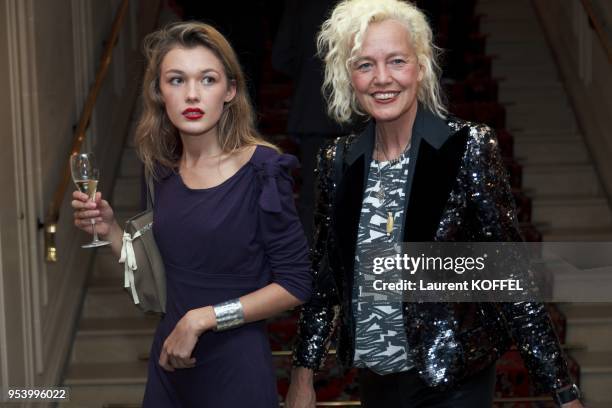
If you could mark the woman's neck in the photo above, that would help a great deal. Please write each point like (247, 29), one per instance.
(200, 148)
(393, 137)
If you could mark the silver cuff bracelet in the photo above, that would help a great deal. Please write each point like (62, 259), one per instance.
(229, 314)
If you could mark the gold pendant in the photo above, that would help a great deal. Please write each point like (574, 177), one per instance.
(389, 223)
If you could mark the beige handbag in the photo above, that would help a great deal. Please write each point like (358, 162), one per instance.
(144, 272)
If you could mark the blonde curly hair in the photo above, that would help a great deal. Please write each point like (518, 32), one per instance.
(341, 38)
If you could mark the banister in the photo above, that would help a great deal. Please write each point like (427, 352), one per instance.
(53, 212)
(598, 27)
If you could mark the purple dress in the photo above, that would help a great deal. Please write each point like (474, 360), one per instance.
(217, 244)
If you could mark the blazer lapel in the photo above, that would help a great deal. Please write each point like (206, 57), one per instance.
(435, 157)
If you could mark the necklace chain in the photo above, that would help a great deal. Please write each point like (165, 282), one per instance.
(380, 194)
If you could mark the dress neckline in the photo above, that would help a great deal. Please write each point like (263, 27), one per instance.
(224, 182)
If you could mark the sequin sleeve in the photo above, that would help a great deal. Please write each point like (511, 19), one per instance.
(529, 323)
(318, 317)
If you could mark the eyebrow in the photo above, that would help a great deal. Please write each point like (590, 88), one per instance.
(178, 71)
(389, 55)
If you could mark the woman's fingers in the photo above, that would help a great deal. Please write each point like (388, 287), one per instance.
(163, 361)
(78, 204)
(86, 224)
(176, 363)
(170, 360)
(77, 195)
(86, 214)
(179, 362)
(81, 200)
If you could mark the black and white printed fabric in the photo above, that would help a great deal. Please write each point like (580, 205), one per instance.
(380, 339)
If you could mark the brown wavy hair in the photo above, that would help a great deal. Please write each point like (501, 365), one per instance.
(157, 139)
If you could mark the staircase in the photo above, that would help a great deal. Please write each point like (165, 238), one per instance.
(568, 202)
(108, 364)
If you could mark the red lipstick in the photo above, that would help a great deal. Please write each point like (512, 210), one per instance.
(193, 113)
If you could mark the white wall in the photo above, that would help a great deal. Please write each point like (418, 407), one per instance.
(49, 51)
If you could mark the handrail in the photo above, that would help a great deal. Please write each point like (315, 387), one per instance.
(53, 213)
(598, 27)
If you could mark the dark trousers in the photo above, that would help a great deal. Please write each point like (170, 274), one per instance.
(407, 390)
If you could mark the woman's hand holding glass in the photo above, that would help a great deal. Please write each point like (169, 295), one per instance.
(86, 211)
(86, 175)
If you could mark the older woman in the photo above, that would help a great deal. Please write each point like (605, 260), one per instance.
(413, 174)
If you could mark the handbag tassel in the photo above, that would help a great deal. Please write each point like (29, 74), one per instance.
(128, 259)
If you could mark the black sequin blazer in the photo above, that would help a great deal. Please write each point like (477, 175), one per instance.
(457, 190)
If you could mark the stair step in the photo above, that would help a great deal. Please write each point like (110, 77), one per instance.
(97, 384)
(538, 119)
(506, 9)
(534, 84)
(502, 46)
(514, 96)
(126, 193)
(119, 349)
(589, 324)
(546, 136)
(108, 340)
(529, 120)
(568, 179)
(510, 91)
(506, 47)
(106, 373)
(106, 266)
(495, 25)
(542, 151)
(510, 63)
(109, 304)
(557, 109)
(585, 285)
(515, 71)
(594, 234)
(105, 396)
(600, 404)
(118, 326)
(131, 165)
(116, 396)
(572, 212)
(515, 35)
(595, 375)
(517, 55)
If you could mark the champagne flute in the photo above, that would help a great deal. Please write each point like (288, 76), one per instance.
(85, 175)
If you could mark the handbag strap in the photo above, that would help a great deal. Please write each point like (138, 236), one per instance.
(150, 190)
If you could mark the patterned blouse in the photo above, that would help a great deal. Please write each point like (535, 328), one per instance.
(380, 338)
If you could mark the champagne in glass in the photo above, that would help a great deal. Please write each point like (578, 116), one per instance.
(85, 175)
(88, 187)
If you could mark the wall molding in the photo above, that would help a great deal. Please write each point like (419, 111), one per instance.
(20, 95)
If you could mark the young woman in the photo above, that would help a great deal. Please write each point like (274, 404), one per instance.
(224, 221)
(412, 175)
